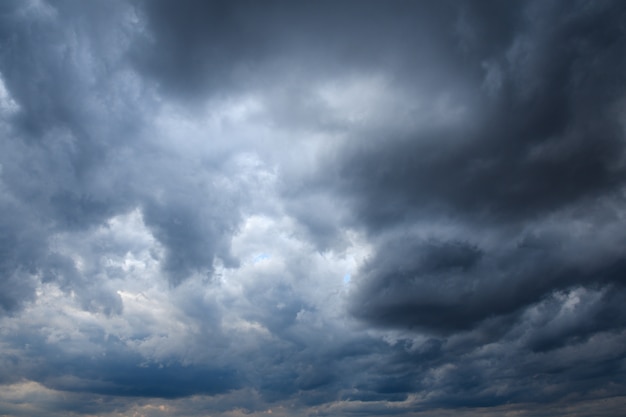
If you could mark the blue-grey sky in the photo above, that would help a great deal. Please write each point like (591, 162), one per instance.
(312, 208)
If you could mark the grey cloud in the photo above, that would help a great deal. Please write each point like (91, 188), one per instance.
(475, 150)
(54, 144)
(451, 286)
(533, 148)
(83, 358)
(123, 374)
(190, 238)
(80, 130)
(198, 47)
(552, 142)
(20, 250)
(547, 146)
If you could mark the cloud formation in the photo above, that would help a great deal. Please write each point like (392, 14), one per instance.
(329, 208)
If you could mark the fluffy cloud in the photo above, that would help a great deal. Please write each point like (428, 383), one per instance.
(312, 209)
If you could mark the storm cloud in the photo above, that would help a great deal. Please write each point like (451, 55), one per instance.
(312, 208)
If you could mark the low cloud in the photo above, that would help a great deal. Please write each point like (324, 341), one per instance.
(312, 209)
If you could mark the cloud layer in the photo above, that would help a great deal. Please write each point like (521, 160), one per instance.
(329, 208)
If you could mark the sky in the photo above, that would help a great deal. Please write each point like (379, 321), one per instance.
(312, 208)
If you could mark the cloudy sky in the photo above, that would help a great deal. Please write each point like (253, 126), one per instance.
(312, 208)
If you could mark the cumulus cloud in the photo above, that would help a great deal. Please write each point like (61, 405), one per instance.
(329, 208)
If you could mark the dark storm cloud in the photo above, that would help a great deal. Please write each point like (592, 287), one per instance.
(20, 249)
(598, 312)
(453, 286)
(469, 370)
(198, 47)
(53, 143)
(117, 372)
(488, 210)
(554, 142)
(475, 150)
(189, 236)
(74, 146)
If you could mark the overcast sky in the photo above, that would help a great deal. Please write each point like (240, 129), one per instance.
(312, 208)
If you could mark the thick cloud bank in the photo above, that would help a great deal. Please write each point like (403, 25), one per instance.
(312, 208)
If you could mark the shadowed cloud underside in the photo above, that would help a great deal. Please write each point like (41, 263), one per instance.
(324, 208)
